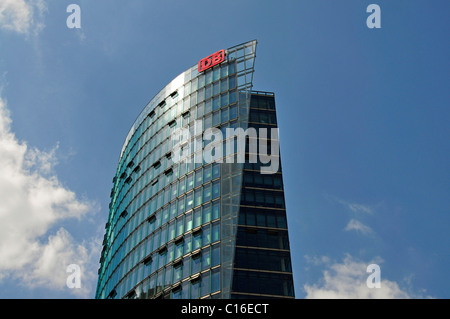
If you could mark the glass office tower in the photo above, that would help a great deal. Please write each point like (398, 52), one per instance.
(190, 228)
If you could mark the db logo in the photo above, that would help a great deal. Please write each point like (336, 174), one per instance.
(211, 60)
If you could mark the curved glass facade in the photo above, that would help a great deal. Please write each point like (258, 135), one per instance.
(172, 226)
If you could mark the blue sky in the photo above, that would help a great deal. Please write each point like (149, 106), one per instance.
(363, 116)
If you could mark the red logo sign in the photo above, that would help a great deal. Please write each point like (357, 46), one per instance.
(211, 60)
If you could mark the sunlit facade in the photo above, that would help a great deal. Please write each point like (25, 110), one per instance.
(193, 229)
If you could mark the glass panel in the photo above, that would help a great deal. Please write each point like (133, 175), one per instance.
(200, 110)
(232, 97)
(215, 280)
(196, 265)
(206, 258)
(205, 284)
(216, 103)
(224, 71)
(208, 108)
(215, 171)
(233, 112)
(201, 80)
(216, 118)
(208, 75)
(207, 194)
(180, 226)
(224, 115)
(206, 235)
(207, 173)
(197, 217)
(208, 121)
(216, 74)
(232, 68)
(208, 92)
(215, 232)
(206, 213)
(185, 290)
(216, 88)
(187, 244)
(179, 250)
(189, 182)
(186, 267)
(188, 222)
(173, 210)
(224, 100)
(216, 189)
(198, 197)
(168, 277)
(195, 290)
(182, 186)
(181, 205)
(197, 241)
(215, 210)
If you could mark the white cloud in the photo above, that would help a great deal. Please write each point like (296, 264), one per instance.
(347, 280)
(32, 203)
(356, 208)
(356, 225)
(22, 16)
(314, 260)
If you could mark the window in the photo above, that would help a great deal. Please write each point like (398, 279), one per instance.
(168, 276)
(189, 182)
(215, 232)
(186, 267)
(195, 288)
(215, 170)
(206, 235)
(176, 292)
(216, 118)
(207, 174)
(177, 272)
(207, 194)
(181, 205)
(179, 249)
(197, 217)
(232, 97)
(172, 123)
(216, 88)
(196, 263)
(197, 240)
(208, 107)
(208, 121)
(173, 209)
(205, 284)
(198, 177)
(188, 222)
(189, 201)
(174, 94)
(216, 103)
(200, 110)
(224, 116)
(215, 280)
(208, 75)
(187, 244)
(180, 226)
(216, 189)
(216, 73)
(206, 212)
(224, 100)
(215, 210)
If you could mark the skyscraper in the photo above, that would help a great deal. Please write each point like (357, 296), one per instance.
(187, 220)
